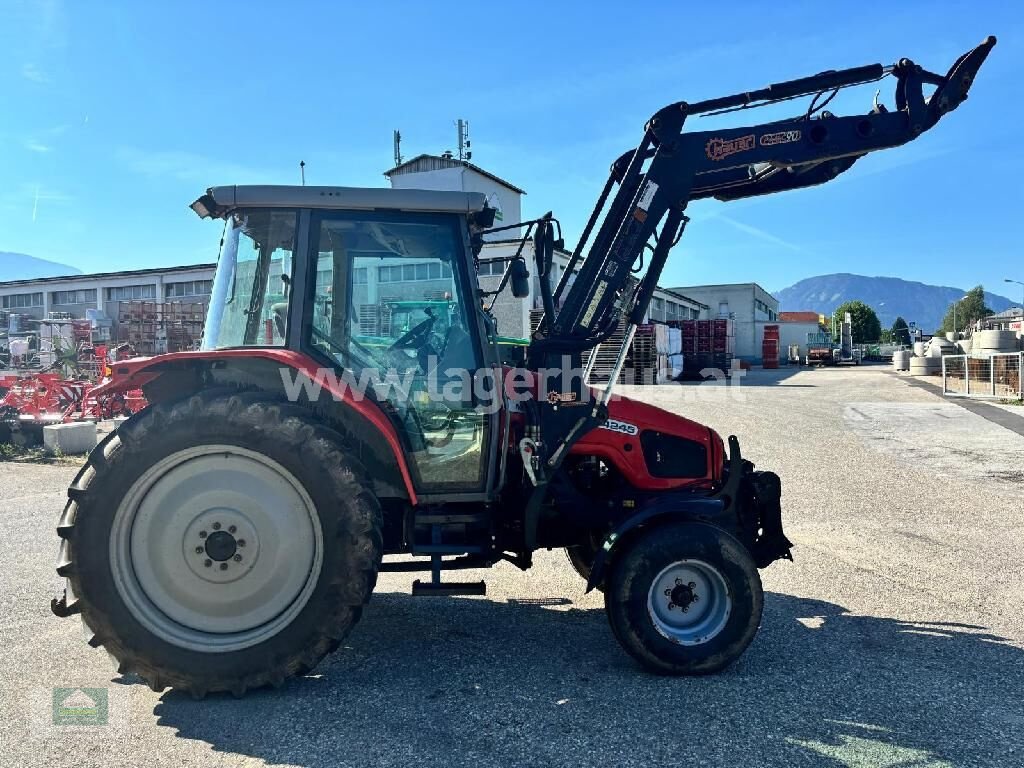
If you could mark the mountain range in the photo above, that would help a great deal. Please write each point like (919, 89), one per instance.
(890, 297)
(21, 266)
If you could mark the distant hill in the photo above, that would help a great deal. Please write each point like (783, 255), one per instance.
(21, 266)
(888, 296)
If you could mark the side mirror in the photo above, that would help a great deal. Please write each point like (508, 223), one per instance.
(519, 277)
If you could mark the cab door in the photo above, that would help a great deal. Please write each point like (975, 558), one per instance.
(395, 311)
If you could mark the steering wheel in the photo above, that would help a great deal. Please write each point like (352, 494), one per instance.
(416, 337)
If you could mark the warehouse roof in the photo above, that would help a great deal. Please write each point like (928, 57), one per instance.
(99, 275)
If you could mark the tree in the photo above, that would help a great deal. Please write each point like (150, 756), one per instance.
(866, 326)
(900, 331)
(969, 310)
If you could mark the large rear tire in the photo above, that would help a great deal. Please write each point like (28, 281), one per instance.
(220, 543)
(684, 598)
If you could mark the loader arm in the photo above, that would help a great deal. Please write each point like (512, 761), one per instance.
(653, 184)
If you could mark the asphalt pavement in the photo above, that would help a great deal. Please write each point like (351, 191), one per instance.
(896, 638)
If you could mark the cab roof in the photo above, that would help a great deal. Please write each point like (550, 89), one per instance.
(219, 201)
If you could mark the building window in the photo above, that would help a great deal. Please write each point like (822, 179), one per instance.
(359, 276)
(130, 292)
(81, 296)
(23, 300)
(407, 273)
(495, 268)
(188, 288)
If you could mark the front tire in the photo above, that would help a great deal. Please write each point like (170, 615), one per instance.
(684, 598)
(220, 543)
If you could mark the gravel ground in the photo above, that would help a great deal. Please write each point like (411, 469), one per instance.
(895, 639)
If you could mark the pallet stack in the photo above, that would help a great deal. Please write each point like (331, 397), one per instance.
(154, 328)
(707, 344)
(770, 347)
(641, 365)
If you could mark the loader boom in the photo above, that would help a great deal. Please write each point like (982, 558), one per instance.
(654, 183)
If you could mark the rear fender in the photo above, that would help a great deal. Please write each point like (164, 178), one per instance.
(177, 375)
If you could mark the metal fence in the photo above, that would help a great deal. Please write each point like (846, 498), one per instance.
(997, 376)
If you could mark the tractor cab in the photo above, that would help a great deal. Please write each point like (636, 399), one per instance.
(379, 287)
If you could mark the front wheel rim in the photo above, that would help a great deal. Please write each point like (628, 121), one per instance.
(216, 548)
(689, 602)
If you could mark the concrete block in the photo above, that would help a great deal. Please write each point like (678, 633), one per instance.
(77, 437)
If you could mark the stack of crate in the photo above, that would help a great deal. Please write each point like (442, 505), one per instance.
(707, 344)
(152, 327)
(770, 347)
(641, 359)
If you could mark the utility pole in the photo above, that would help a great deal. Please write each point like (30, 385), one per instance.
(1021, 284)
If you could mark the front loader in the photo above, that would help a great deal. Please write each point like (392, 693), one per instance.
(228, 536)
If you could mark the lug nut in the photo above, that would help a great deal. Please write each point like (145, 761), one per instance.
(692, 584)
(199, 550)
(216, 526)
(202, 534)
(238, 558)
(668, 592)
(685, 608)
(695, 598)
(679, 582)
(223, 566)
(208, 563)
(241, 542)
(232, 529)
(672, 606)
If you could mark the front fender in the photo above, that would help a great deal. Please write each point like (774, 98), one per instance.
(671, 507)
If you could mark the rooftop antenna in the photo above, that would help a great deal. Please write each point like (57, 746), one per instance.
(398, 148)
(302, 171)
(463, 142)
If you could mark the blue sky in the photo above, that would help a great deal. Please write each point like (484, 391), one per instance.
(116, 115)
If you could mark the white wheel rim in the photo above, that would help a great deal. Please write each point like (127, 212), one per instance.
(216, 548)
(689, 602)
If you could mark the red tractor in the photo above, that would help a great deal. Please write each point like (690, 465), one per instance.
(227, 536)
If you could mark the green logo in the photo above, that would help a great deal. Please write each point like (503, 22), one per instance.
(79, 706)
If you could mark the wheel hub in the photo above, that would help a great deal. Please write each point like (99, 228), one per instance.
(689, 602)
(221, 545)
(682, 595)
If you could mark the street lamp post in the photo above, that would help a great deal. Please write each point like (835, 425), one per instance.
(1021, 284)
(954, 313)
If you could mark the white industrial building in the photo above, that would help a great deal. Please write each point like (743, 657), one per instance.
(74, 294)
(748, 305)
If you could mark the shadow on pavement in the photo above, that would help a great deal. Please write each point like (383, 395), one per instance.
(435, 681)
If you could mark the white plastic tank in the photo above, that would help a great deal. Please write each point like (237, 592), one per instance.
(919, 348)
(901, 360)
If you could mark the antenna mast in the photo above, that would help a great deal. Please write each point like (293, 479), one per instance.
(463, 142)
(398, 148)
(302, 171)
